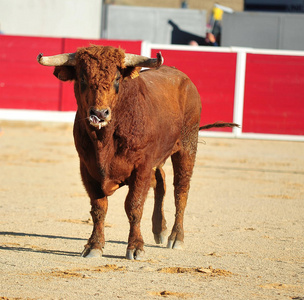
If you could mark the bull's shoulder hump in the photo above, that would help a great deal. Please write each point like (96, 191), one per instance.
(163, 71)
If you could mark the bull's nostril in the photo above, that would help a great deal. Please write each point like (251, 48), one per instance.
(102, 114)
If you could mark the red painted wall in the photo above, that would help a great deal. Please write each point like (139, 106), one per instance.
(274, 94)
(24, 84)
(213, 73)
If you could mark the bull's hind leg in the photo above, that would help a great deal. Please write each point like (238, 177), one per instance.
(159, 227)
(99, 204)
(183, 163)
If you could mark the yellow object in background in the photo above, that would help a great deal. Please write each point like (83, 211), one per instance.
(217, 13)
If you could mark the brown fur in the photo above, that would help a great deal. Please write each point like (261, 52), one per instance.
(154, 116)
(101, 63)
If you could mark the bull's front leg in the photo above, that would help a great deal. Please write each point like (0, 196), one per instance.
(97, 240)
(134, 204)
(99, 204)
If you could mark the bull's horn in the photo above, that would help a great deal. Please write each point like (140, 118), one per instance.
(133, 60)
(65, 59)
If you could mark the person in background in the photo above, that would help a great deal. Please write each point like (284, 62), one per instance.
(215, 23)
(210, 40)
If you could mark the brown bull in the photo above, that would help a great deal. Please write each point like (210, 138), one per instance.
(126, 126)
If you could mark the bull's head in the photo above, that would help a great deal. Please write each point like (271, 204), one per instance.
(97, 71)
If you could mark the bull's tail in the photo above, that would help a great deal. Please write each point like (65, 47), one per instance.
(218, 125)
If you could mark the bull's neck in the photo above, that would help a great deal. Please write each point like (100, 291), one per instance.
(101, 137)
(103, 144)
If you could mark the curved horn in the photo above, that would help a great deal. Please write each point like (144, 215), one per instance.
(133, 60)
(65, 59)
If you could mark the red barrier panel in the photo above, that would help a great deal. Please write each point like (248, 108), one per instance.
(24, 84)
(274, 98)
(213, 73)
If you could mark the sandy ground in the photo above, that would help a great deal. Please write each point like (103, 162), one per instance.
(244, 224)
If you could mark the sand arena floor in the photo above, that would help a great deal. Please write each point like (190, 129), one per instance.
(244, 224)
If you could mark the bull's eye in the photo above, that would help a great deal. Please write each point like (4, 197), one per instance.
(83, 83)
(116, 84)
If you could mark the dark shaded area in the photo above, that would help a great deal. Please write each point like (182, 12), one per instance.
(55, 252)
(181, 37)
(273, 6)
(40, 235)
(29, 249)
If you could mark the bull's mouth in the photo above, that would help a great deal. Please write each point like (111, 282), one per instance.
(96, 122)
(99, 118)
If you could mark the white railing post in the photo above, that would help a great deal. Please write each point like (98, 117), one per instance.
(145, 48)
(238, 108)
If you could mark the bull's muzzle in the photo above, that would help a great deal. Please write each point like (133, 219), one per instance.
(99, 117)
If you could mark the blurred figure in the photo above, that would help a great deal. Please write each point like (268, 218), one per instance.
(215, 23)
(184, 4)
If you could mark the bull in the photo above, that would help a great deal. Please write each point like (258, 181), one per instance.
(127, 124)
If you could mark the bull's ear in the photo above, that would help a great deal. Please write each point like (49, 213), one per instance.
(65, 73)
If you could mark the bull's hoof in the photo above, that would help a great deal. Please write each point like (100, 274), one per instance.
(160, 238)
(135, 254)
(91, 253)
(175, 244)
